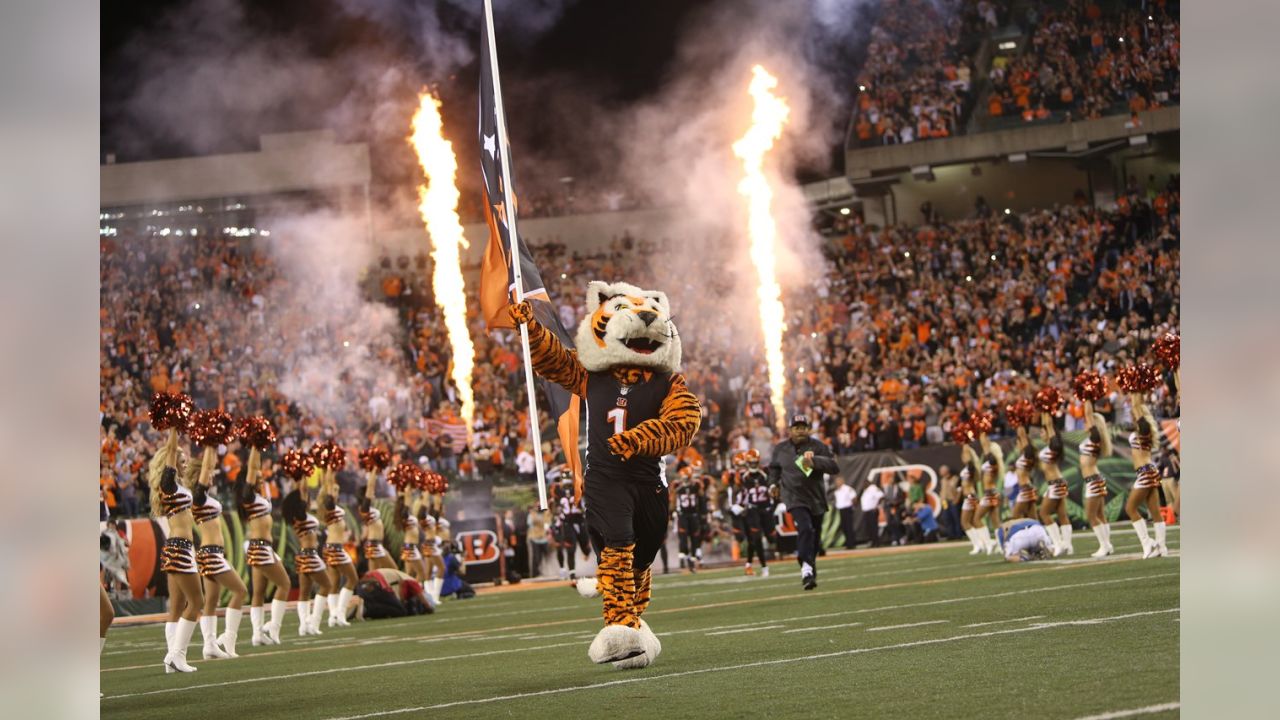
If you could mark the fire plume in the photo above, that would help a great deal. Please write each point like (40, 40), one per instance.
(767, 120)
(438, 205)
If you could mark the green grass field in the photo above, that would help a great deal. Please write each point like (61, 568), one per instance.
(923, 633)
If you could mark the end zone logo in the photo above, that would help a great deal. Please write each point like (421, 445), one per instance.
(478, 546)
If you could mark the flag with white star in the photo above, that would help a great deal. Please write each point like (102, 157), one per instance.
(497, 281)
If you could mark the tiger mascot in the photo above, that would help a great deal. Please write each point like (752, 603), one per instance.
(638, 409)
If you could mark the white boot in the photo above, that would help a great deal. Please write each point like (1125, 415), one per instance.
(304, 618)
(333, 609)
(436, 585)
(169, 627)
(209, 631)
(1058, 547)
(232, 631)
(1100, 533)
(278, 610)
(176, 659)
(1106, 535)
(1161, 530)
(256, 613)
(1148, 548)
(318, 605)
(978, 547)
(344, 597)
(651, 645)
(1065, 530)
(988, 541)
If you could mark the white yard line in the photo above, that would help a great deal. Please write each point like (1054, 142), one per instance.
(393, 663)
(907, 625)
(1002, 622)
(759, 663)
(746, 630)
(1135, 711)
(822, 627)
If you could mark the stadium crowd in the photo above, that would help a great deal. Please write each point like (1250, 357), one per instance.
(915, 83)
(906, 328)
(1084, 62)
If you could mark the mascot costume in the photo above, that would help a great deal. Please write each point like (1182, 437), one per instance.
(638, 409)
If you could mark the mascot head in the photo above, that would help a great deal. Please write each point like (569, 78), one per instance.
(627, 327)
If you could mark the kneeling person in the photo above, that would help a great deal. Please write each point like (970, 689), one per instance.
(1024, 540)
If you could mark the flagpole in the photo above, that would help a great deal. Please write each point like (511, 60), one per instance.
(535, 432)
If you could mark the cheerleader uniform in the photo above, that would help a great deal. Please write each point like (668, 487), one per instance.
(1095, 485)
(373, 549)
(178, 555)
(211, 558)
(969, 504)
(1026, 493)
(410, 552)
(261, 552)
(335, 553)
(990, 491)
(1056, 490)
(1148, 476)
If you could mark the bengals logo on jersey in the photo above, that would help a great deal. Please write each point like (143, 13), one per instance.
(478, 546)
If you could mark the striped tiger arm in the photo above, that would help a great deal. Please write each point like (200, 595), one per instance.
(551, 359)
(678, 420)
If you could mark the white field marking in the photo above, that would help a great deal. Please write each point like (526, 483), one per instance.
(790, 574)
(907, 625)
(883, 608)
(746, 630)
(349, 643)
(743, 666)
(330, 671)
(1135, 711)
(1128, 555)
(1002, 622)
(790, 578)
(822, 627)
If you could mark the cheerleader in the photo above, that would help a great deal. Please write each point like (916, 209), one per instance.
(307, 563)
(178, 558)
(991, 484)
(1097, 444)
(1055, 496)
(106, 613)
(1025, 504)
(372, 530)
(264, 564)
(211, 558)
(340, 566)
(968, 490)
(406, 521)
(432, 554)
(1146, 484)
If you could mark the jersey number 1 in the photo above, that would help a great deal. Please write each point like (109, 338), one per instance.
(619, 418)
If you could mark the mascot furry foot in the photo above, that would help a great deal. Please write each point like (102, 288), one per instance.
(587, 587)
(651, 645)
(614, 643)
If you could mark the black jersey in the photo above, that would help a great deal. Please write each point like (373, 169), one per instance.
(755, 489)
(690, 500)
(614, 408)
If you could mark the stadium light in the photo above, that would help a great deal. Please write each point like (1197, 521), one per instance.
(346, 343)
(1008, 45)
(968, 278)
(844, 211)
(1007, 211)
(862, 88)
(906, 253)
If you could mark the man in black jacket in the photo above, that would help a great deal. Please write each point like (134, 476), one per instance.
(798, 466)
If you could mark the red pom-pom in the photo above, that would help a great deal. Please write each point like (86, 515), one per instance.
(328, 454)
(1137, 378)
(1048, 399)
(441, 484)
(211, 428)
(422, 479)
(960, 431)
(1168, 351)
(256, 431)
(375, 458)
(1090, 386)
(981, 422)
(297, 464)
(403, 476)
(1020, 413)
(170, 411)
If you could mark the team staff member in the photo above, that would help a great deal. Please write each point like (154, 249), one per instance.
(845, 495)
(798, 465)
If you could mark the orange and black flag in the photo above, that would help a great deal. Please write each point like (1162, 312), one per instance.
(497, 279)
